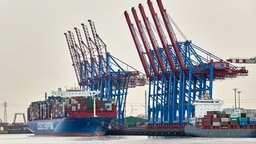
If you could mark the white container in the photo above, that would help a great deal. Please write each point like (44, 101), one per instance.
(250, 115)
(215, 123)
(73, 108)
(224, 119)
(235, 115)
(204, 105)
(237, 111)
(199, 120)
(252, 118)
(215, 116)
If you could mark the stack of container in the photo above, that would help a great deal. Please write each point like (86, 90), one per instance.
(219, 119)
(34, 111)
(59, 107)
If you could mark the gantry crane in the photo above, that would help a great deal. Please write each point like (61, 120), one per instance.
(97, 69)
(178, 72)
(243, 60)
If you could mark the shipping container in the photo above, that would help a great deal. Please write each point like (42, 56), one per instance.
(221, 113)
(215, 123)
(234, 123)
(235, 115)
(244, 123)
(216, 120)
(207, 120)
(224, 123)
(250, 115)
(207, 123)
(243, 119)
(243, 114)
(252, 118)
(208, 116)
(224, 119)
(199, 119)
(238, 111)
(223, 116)
(253, 123)
(212, 112)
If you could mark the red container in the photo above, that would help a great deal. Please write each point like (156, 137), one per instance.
(207, 120)
(216, 120)
(208, 116)
(234, 123)
(211, 112)
(224, 123)
(222, 115)
(243, 114)
(207, 123)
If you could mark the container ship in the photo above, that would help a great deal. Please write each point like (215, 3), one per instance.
(210, 121)
(73, 112)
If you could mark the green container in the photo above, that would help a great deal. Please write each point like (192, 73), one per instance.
(234, 116)
(221, 112)
(234, 119)
(243, 119)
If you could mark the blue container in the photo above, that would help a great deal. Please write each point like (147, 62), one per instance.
(244, 123)
(253, 123)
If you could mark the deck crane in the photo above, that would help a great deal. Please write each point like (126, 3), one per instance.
(107, 74)
(187, 71)
(243, 60)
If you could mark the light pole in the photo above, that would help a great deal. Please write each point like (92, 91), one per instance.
(238, 98)
(235, 96)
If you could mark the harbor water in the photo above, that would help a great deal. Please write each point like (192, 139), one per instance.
(31, 139)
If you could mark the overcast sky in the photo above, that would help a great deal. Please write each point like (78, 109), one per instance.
(34, 57)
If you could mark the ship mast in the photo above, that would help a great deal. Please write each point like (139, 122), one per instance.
(94, 106)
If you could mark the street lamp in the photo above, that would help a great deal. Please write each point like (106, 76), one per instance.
(238, 98)
(235, 89)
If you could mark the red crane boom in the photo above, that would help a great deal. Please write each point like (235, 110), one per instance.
(145, 41)
(171, 34)
(137, 44)
(152, 38)
(161, 35)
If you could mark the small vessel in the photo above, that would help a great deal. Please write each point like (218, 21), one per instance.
(73, 112)
(211, 121)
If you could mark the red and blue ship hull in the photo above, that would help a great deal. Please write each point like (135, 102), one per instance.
(86, 126)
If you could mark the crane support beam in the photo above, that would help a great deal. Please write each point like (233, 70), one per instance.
(152, 38)
(161, 35)
(171, 34)
(238, 60)
(145, 42)
(137, 44)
